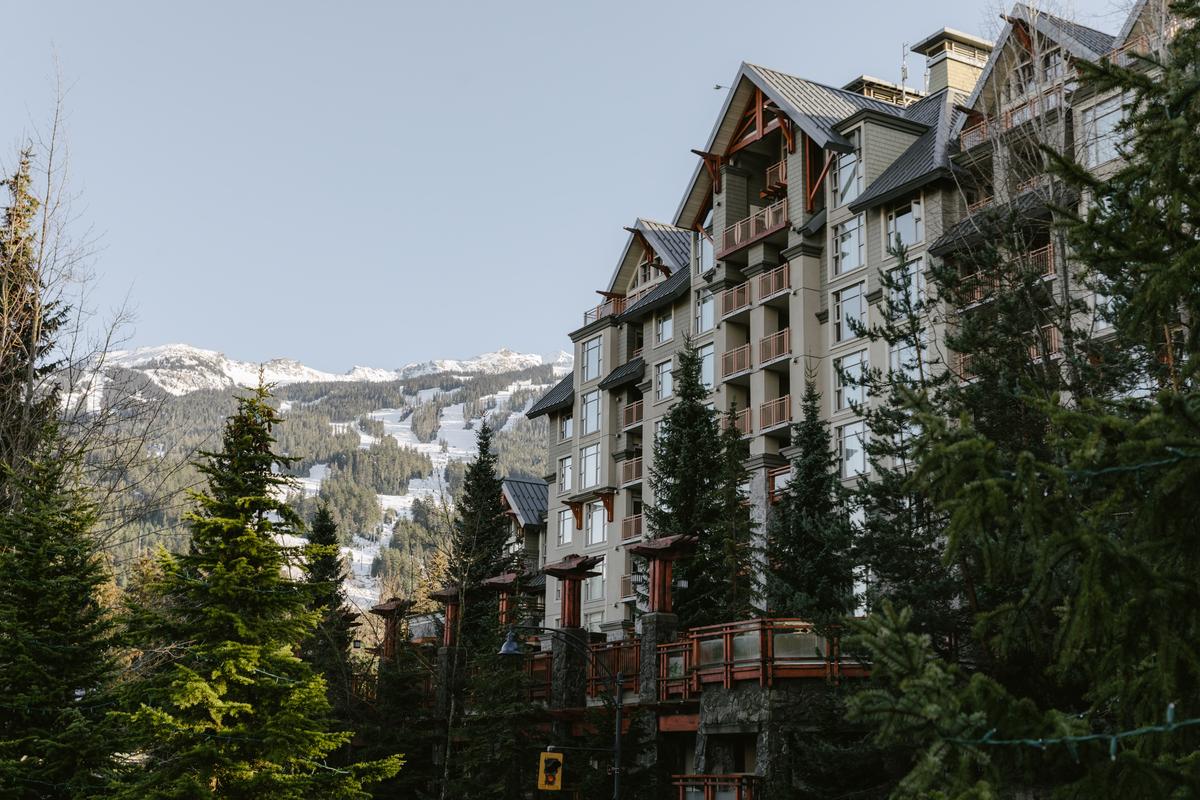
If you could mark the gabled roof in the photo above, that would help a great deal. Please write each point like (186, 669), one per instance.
(925, 159)
(1078, 40)
(629, 372)
(560, 397)
(673, 245)
(665, 293)
(527, 498)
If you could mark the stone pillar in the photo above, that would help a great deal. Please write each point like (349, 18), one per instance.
(449, 678)
(568, 668)
(657, 628)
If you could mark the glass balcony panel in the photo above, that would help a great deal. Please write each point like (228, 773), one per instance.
(747, 646)
(712, 651)
(799, 646)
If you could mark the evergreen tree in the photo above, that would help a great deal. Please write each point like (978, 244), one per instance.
(225, 707)
(809, 572)
(56, 648)
(327, 650)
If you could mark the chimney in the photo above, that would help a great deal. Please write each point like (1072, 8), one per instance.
(953, 59)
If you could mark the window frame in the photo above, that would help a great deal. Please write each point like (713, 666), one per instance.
(594, 513)
(889, 224)
(669, 318)
(568, 529)
(586, 349)
(566, 427)
(705, 298)
(566, 477)
(861, 436)
(841, 162)
(590, 399)
(843, 390)
(841, 230)
(839, 319)
(708, 360)
(659, 372)
(589, 452)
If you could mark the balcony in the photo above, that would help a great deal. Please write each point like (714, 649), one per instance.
(631, 527)
(1051, 338)
(774, 282)
(976, 134)
(736, 361)
(606, 309)
(761, 651)
(741, 421)
(1016, 116)
(776, 177)
(777, 481)
(631, 470)
(627, 587)
(1042, 259)
(632, 414)
(735, 299)
(761, 222)
(777, 345)
(622, 658)
(979, 205)
(734, 786)
(775, 412)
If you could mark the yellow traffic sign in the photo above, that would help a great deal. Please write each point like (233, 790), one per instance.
(550, 772)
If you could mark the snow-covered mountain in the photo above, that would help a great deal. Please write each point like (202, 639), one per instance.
(180, 368)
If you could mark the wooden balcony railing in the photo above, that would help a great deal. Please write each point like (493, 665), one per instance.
(626, 586)
(975, 134)
(735, 361)
(632, 414)
(1042, 259)
(775, 412)
(606, 309)
(622, 658)
(735, 786)
(635, 353)
(537, 670)
(775, 346)
(965, 364)
(761, 222)
(742, 422)
(777, 175)
(735, 298)
(777, 480)
(979, 205)
(1123, 56)
(773, 282)
(1036, 106)
(631, 527)
(631, 470)
(762, 651)
(1052, 338)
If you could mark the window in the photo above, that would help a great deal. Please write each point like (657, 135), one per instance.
(566, 473)
(703, 245)
(590, 462)
(1054, 66)
(905, 225)
(594, 524)
(590, 369)
(852, 454)
(707, 365)
(706, 305)
(566, 524)
(660, 425)
(907, 289)
(848, 245)
(849, 309)
(1101, 131)
(847, 173)
(593, 621)
(906, 356)
(589, 409)
(566, 427)
(849, 372)
(664, 327)
(663, 386)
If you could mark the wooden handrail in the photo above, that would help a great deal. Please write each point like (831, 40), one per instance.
(760, 223)
(736, 360)
(775, 412)
(631, 470)
(773, 282)
(632, 414)
(631, 527)
(735, 298)
(774, 346)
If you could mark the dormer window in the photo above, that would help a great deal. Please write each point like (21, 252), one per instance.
(847, 173)
(905, 225)
(1054, 66)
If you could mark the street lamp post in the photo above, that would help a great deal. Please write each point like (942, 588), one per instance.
(512, 647)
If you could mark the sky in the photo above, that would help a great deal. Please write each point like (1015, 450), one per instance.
(378, 183)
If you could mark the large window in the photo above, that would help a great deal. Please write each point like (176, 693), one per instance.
(852, 455)
(707, 365)
(593, 621)
(907, 288)
(664, 327)
(591, 366)
(663, 385)
(848, 245)
(702, 245)
(590, 412)
(849, 309)
(849, 374)
(594, 523)
(706, 305)
(589, 458)
(906, 357)
(566, 427)
(566, 473)
(1101, 131)
(566, 526)
(593, 588)
(847, 173)
(905, 225)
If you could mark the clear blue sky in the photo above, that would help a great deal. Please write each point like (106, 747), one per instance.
(330, 181)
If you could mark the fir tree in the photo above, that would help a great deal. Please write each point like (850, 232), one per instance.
(327, 650)
(225, 706)
(56, 648)
(809, 560)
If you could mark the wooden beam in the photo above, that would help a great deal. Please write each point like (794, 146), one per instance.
(785, 127)
(712, 163)
(816, 187)
(607, 499)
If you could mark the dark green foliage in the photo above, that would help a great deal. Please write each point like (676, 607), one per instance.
(327, 649)
(56, 656)
(222, 705)
(810, 571)
(401, 719)
(355, 508)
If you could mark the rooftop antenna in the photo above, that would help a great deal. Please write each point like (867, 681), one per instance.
(903, 73)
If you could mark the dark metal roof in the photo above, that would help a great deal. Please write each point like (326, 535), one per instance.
(672, 244)
(1030, 205)
(666, 292)
(528, 498)
(561, 396)
(925, 159)
(1098, 42)
(629, 372)
(814, 224)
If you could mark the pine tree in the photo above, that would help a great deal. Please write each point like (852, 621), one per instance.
(327, 650)
(809, 572)
(225, 706)
(56, 647)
